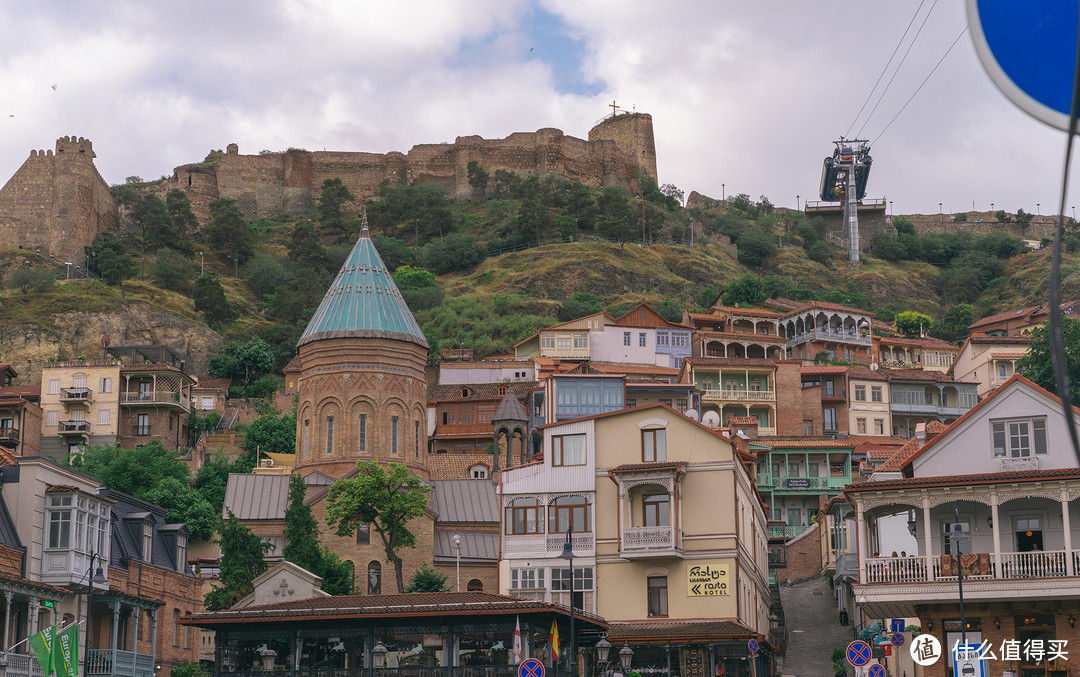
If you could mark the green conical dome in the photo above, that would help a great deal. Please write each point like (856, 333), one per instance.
(363, 301)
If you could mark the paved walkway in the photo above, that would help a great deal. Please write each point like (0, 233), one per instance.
(813, 629)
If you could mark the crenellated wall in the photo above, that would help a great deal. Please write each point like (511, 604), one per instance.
(266, 184)
(57, 202)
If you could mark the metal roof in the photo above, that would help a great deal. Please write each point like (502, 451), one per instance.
(256, 497)
(465, 500)
(476, 546)
(363, 301)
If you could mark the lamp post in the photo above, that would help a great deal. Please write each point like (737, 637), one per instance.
(957, 536)
(603, 650)
(378, 655)
(568, 553)
(457, 565)
(92, 576)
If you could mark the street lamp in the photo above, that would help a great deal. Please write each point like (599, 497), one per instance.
(603, 650)
(957, 536)
(97, 577)
(568, 553)
(457, 555)
(68, 265)
(378, 655)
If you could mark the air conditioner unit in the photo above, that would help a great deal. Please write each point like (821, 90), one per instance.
(267, 463)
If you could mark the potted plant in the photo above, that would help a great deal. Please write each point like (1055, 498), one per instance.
(838, 662)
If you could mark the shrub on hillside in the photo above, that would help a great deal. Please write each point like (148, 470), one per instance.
(755, 247)
(456, 251)
(32, 280)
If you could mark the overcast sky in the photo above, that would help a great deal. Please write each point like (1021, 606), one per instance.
(746, 97)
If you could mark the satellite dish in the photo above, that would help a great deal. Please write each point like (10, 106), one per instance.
(873, 366)
(691, 414)
(711, 419)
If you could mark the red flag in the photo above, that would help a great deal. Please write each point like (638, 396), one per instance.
(720, 671)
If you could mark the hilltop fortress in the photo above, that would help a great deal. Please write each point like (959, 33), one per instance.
(57, 202)
(618, 148)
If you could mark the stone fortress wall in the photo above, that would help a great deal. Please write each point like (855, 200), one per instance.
(57, 202)
(618, 148)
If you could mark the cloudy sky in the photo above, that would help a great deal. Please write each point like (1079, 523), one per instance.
(746, 97)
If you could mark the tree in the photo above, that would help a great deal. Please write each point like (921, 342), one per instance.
(210, 300)
(185, 505)
(579, 304)
(1023, 219)
(301, 529)
(1037, 364)
(113, 262)
(478, 178)
(392, 251)
(755, 247)
(179, 206)
(744, 291)
(243, 361)
(227, 231)
(272, 433)
(132, 471)
(241, 561)
(330, 212)
(426, 579)
(670, 310)
(672, 192)
(456, 251)
(887, 246)
(954, 323)
(911, 325)
(409, 277)
(385, 497)
(172, 270)
(155, 222)
(35, 280)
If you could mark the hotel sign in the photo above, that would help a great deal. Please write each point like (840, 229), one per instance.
(706, 581)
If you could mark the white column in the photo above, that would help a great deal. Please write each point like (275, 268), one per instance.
(1067, 528)
(860, 521)
(994, 513)
(928, 538)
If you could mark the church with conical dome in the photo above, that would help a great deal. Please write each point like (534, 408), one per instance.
(361, 388)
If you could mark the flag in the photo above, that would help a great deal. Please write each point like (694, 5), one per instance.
(42, 644)
(554, 641)
(65, 653)
(720, 671)
(517, 640)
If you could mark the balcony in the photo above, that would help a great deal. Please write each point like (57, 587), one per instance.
(76, 395)
(834, 335)
(642, 542)
(847, 564)
(167, 397)
(787, 531)
(73, 427)
(119, 663)
(770, 482)
(9, 437)
(67, 567)
(545, 545)
(732, 395)
(980, 566)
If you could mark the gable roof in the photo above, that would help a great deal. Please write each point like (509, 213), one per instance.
(653, 318)
(1015, 379)
(363, 301)
(451, 392)
(825, 305)
(256, 497)
(1002, 317)
(510, 409)
(465, 501)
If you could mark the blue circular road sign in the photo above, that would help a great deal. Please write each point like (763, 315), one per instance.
(1029, 51)
(876, 670)
(897, 639)
(753, 646)
(530, 667)
(858, 653)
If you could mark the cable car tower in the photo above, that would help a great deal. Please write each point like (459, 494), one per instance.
(843, 179)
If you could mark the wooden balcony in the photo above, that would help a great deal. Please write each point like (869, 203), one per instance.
(156, 397)
(642, 542)
(732, 395)
(984, 566)
(768, 482)
(9, 437)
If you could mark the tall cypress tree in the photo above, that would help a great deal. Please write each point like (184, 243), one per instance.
(301, 529)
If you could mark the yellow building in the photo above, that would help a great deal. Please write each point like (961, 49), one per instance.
(81, 404)
(666, 511)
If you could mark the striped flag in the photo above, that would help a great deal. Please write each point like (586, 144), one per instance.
(554, 641)
(517, 640)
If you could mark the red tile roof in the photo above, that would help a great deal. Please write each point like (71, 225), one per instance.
(1004, 340)
(824, 305)
(657, 465)
(479, 392)
(918, 375)
(803, 443)
(1001, 317)
(927, 342)
(964, 480)
(213, 383)
(456, 466)
(730, 362)
(293, 365)
(31, 392)
(697, 629)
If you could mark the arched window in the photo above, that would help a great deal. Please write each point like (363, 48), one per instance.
(524, 516)
(569, 513)
(374, 578)
(475, 585)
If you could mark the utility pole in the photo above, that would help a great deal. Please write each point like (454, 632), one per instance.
(202, 264)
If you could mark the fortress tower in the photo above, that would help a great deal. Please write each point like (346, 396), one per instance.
(362, 391)
(633, 135)
(57, 202)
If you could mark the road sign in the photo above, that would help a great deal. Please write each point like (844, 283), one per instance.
(876, 670)
(858, 653)
(896, 625)
(1029, 52)
(897, 639)
(530, 667)
(966, 662)
(753, 646)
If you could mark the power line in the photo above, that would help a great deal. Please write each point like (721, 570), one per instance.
(898, 67)
(921, 83)
(886, 68)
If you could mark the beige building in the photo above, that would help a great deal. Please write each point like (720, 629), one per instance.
(668, 533)
(80, 400)
(868, 402)
(989, 360)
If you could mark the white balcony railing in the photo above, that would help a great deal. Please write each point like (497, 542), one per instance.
(732, 395)
(984, 566)
(645, 539)
(545, 545)
(1022, 463)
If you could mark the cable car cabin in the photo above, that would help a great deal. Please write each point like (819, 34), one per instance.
(834, 174)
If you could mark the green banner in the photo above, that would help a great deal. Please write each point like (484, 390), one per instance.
(66, 651)
(42, 644)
